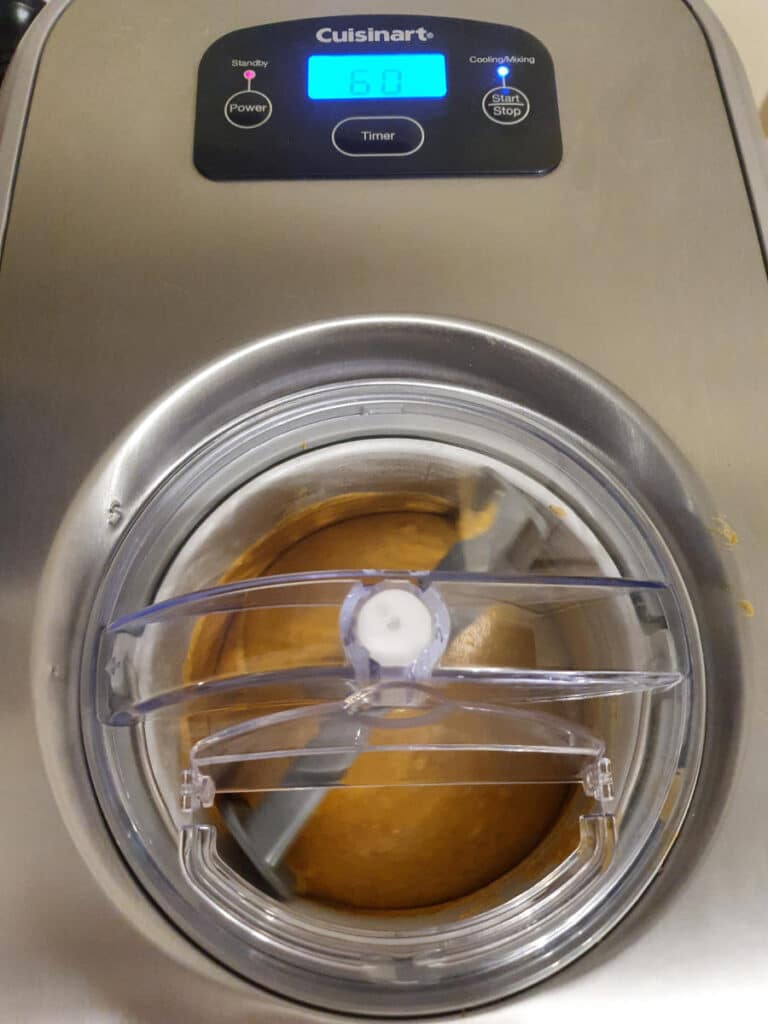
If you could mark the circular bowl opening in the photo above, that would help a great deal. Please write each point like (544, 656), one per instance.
(333, 478)
(412, 437)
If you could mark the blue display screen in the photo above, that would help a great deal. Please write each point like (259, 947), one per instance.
(376, 76)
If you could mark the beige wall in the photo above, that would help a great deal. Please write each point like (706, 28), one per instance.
(746, 21)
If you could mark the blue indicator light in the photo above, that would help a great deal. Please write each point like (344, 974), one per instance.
(376, 76)
(502, 71)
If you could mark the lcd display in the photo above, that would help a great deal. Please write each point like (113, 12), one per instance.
(376, 76)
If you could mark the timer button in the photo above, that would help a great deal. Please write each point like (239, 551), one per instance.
(378, 136)
(248, 109)
(506, 105)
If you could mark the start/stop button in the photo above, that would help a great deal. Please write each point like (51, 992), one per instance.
(378, 136)
(506, 105)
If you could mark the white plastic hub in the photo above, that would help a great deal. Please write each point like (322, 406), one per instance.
(394, 626)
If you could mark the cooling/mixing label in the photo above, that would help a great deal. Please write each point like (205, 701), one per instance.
(374, 96)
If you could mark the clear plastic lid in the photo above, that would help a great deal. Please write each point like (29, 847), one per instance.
(400, 704)
(315, 746)
(591, 638)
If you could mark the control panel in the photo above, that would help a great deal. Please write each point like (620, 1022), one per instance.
(376, 96)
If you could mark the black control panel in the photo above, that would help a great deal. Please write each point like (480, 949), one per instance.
(376, 96)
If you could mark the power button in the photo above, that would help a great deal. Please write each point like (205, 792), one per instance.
(248, 108)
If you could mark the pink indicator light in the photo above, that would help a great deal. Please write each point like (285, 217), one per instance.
(248, 75)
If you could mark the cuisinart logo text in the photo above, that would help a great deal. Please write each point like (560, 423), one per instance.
(372, 35)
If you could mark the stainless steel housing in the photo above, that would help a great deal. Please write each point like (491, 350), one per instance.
(677, 321)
